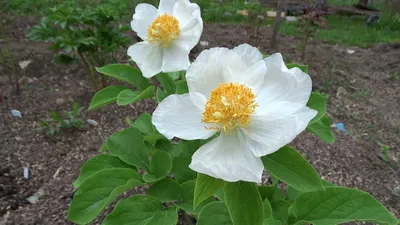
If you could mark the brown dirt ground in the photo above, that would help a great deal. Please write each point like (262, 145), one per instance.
(361, 95)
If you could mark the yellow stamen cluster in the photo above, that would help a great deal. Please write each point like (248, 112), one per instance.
(230, 106)
(163, 30)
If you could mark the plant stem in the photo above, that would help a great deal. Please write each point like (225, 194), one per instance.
(89, 70)
(11, 58)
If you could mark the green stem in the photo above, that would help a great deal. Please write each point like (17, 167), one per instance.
(89, 70)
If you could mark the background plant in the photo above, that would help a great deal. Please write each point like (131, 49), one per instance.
(58, 122)
(92, 36)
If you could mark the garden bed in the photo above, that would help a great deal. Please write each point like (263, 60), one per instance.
(363, 94)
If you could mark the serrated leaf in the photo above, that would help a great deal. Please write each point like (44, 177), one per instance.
(318, 102)
(205, 187)
(322, 129)
(128, 96)
(289, 166)
(106, 96)
(100, 190)
(166, 190)
(339, 205)
(160, 166)
(128, 145)
(244, 203)
(97, 163)
(138, 209)
(214, 213)
(125, 73)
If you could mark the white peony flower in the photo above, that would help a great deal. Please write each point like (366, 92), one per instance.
(168, 34)
(258, 105)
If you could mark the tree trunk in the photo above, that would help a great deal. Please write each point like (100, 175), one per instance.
(364, 2)
(279, 10)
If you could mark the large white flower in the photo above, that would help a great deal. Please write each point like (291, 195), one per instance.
(168, 34)
(258, 105)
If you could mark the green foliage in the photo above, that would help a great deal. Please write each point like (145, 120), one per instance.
(141, 209)
(106, 96)
(90, 34)
(57, 123)
(206, 186)
(171, 185)
(289, 166)
(338, 205)
(238, 195)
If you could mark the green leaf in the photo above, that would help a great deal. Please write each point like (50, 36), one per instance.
(174, 75)
(106, 96)
(173, 149)
(272, 222)
(160, 95)
(318, 102)
(167, 83)
(64, 59)
(206, 186)
(181, 87)
(138, 209)
(291, 193)
(267, 209)
(280, 210)
(167, 217)
(322, 129)
(97, 163)
(143, 124)
(339, 205)
(160, 166)
(244, 203)
(128, 145)
(181, 170)
(327, 183)
(187, 198)
(303, 68)
(271, 193)
(125, 73)
(127, 97)
(289, 166)
(214, 213)
(166, 190)
(100, 190)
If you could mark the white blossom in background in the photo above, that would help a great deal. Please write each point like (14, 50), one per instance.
(168, 34)
(256, 105)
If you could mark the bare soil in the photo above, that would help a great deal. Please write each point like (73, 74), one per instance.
(362, 95)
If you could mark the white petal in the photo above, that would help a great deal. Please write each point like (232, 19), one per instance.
(249, 54)
(190, 21)
(148, 58)
(166, 6)
(175, 58)
(180, 116)
(144, 15)
(265, 135)
(226, 158)
(282, 84)
(206, 72)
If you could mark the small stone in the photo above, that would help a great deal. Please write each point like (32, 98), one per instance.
(18, 138)
(203, 43)
(60, 101)
(92, 122)
(25, 63)
(291, 19)
(350, 51)
(66, 78)
(81, 83)
(16, 113)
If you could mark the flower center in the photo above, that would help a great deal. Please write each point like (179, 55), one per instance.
(229, 106)
(163, 30)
